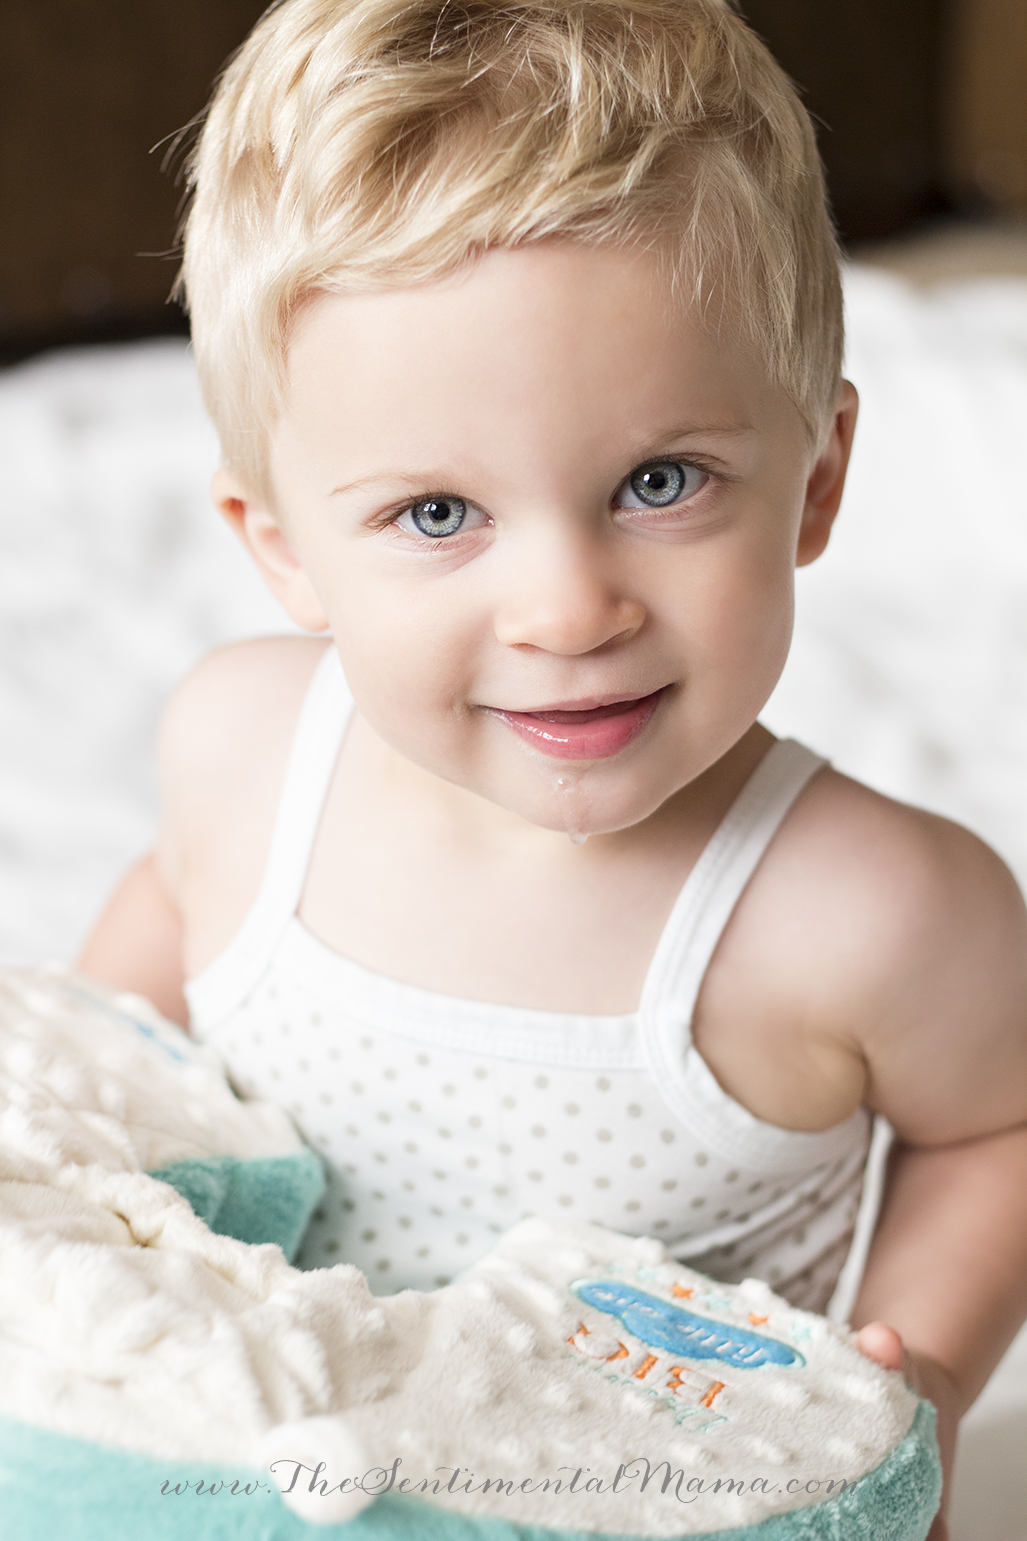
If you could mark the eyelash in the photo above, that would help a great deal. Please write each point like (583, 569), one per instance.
(428, 542)
(389, 518)
(691, 464)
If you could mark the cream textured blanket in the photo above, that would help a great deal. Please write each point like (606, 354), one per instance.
(126, 1321)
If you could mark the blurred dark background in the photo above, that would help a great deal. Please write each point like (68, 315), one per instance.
(921, 107)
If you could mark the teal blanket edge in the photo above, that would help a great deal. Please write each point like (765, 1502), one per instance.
(52, 1485)
(268, 1198)
(56, 1485)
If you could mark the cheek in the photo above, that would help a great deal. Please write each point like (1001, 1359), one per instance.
(408, 663)
(737, 619)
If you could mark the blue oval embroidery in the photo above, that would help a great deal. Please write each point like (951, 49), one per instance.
(664, 1325)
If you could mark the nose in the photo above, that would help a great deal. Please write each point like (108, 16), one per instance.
(564, 595)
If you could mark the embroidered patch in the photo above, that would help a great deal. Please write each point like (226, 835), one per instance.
(667, 1326)
(684, 1390)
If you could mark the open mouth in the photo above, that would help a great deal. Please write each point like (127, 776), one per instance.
(589, 733)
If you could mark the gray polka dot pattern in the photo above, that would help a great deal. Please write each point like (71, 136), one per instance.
(432, 1152)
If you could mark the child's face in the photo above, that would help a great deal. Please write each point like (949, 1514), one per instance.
(551, 522)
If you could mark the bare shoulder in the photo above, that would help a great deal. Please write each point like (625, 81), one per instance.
(223, 747)
(878, 956)
(227, 727)
(236, 698)
(917, 937)
(908, 871)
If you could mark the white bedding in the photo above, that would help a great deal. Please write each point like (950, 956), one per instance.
(909, 667)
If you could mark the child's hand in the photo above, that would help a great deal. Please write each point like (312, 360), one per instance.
(927, 1378)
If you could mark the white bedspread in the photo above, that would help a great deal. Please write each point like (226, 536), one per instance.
(909, 667)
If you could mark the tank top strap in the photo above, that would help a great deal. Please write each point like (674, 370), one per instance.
(322, 723)
(703, 909)
(315, 747)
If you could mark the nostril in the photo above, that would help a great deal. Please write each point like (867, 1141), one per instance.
(556, 625)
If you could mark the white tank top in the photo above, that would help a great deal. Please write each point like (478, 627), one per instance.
(442, 1120)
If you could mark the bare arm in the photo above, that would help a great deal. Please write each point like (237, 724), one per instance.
(948, 1265)
(137, 943)
(947, 1063)
(948, 1271)
(223, 743)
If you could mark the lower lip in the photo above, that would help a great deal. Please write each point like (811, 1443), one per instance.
(592, 735)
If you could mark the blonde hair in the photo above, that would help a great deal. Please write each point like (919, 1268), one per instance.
(362, 144)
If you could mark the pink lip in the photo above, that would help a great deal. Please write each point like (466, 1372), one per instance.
(583, 731)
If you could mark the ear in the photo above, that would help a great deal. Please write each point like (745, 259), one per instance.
(827, 479)
(274, 554)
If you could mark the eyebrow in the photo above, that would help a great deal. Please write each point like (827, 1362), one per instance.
(704, 430)
(662, 444)
(416, 481)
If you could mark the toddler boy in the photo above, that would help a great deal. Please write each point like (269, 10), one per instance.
(521, 327)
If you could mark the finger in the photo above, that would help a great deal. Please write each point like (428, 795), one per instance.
(882, 1343)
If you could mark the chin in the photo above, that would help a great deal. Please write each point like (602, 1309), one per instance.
(573, 799)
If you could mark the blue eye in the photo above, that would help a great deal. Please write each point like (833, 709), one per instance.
(659, 483)
(435, 516)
